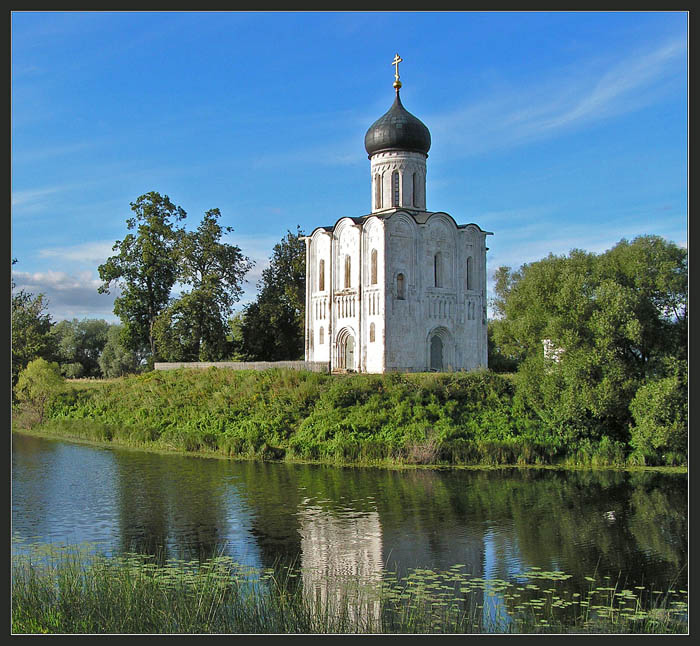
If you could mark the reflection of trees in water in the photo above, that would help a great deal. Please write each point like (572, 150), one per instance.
(33, 465)
(658, 520)
(580, 521)
(170, 506)
(591, 522)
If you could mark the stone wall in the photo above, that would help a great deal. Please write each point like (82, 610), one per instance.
(313, 366)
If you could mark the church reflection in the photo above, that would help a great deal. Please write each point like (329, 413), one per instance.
(341, 558)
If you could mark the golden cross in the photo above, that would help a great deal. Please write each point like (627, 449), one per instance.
(395, 62)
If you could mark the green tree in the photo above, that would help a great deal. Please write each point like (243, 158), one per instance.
(116, 359)
(31, 329)
(38, 385)
(273, 325)
(144, 269)
(613, 320)
(79, 345)
(194, 326)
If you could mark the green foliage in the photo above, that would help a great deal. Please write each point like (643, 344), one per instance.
(499, 360)
(31, 330)
(194, 326)
(79, 345)
(660, 413)
(458, 418)
(612, 321)
(116, 359)
(272, 328)
(144, 269)
(38, 386)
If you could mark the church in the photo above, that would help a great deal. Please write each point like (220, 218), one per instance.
(401, 288)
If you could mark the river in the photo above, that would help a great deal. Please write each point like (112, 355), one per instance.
(629, 526)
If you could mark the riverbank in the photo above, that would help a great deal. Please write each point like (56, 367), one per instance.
(399, 420)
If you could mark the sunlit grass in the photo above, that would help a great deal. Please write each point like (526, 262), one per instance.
(73, 589)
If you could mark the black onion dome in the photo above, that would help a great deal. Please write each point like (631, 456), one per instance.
(398, 129)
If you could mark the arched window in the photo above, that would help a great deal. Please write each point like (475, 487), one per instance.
(470, 269)
(415, 189)
(395, 187)
(373, 267)
(378, 191)
(347, 271)
(320, 336)
(371, 332)
(400, 288)
(321, 275)
(437, 269)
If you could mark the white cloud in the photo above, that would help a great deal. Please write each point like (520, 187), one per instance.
(70, 295)
(517, 115)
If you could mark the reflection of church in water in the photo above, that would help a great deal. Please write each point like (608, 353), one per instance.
(401, 288)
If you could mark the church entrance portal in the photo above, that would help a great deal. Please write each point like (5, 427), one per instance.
(436, 353)
(349, 353)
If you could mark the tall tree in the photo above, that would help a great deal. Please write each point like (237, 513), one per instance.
(145, 268)
(273, 325)
(194, 326)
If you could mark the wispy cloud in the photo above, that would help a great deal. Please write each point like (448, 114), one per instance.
(513, 116)
(34, 195)
(92, 253)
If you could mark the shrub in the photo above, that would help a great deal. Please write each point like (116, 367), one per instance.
(660, 413)
(38, 385)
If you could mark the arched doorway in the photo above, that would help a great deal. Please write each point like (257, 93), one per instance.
(349, 353)
(436, 353)
(344, 353)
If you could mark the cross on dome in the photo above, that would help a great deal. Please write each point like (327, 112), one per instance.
(395, 63)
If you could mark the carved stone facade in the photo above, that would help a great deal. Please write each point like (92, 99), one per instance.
(401, 288)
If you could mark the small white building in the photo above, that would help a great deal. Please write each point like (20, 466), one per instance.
(401, 288)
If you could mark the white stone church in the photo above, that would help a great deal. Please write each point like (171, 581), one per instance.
(401, 288)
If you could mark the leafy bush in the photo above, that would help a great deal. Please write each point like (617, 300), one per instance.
(660, 412)
(38, 385)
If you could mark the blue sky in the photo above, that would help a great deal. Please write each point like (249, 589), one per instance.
(552, 130)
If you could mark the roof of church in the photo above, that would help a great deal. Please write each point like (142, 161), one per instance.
(398, 129)
(420, 217)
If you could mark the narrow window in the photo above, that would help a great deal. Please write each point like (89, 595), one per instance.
(470, 280)
(321, 275)
(415, 189)
(347, 271)
(400, 291)
(378, 191)
(371, 332)
(395, 185)
(311, 339)
(320, 336)
(373, 271)
(437, 269)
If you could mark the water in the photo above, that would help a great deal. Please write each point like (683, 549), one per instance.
(631, 527)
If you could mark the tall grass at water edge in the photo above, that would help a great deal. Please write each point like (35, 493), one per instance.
(424, 418)
(58, 589)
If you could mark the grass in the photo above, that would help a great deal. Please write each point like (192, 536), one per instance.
(58, 589)
(452, 419)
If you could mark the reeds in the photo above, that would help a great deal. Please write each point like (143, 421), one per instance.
(75, 590)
